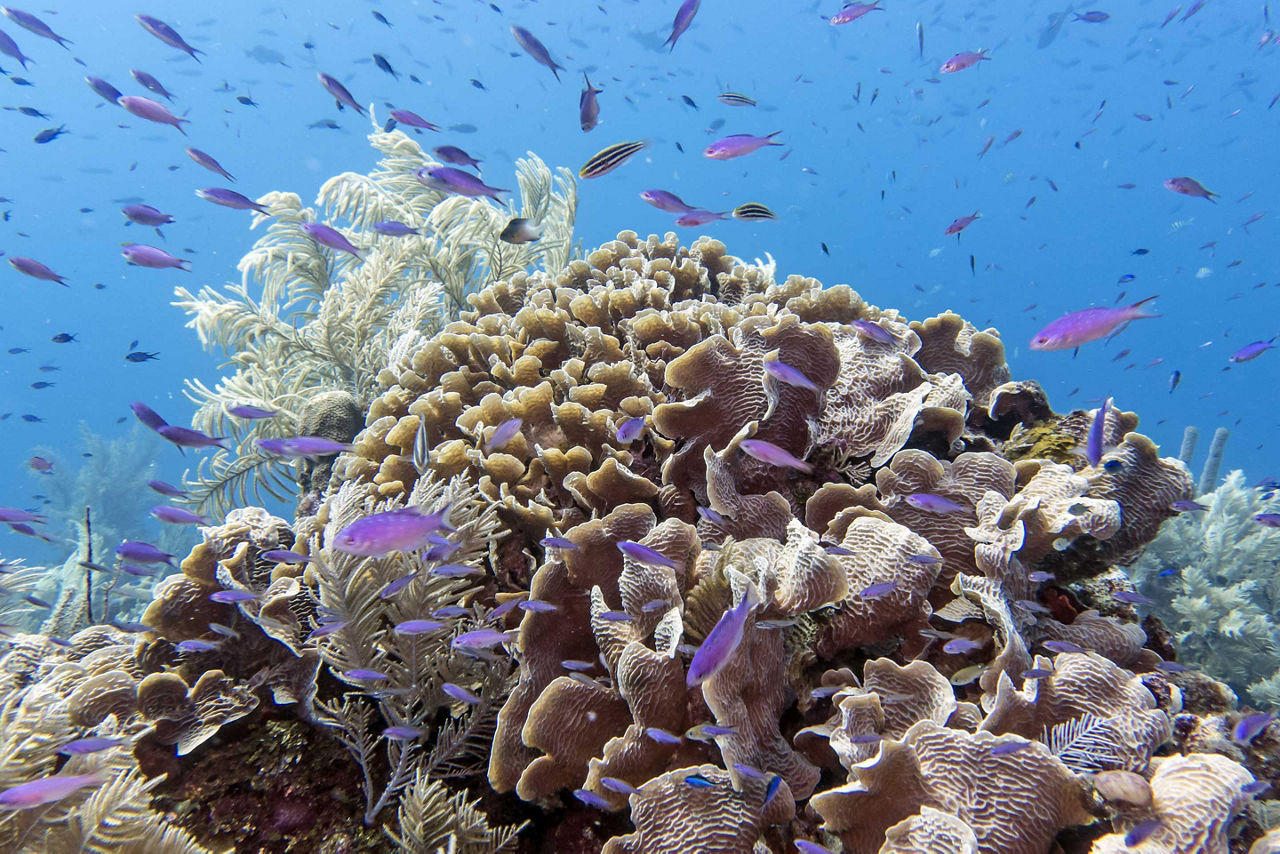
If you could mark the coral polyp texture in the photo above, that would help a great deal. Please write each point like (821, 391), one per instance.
(709, 562)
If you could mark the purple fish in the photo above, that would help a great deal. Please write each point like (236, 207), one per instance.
(591, 799)
(455, 570)
(622, 787)
(588, 106)
(150, 83)
(1062, 646)
(145, 215)
(401, 733)
(232, 597)
(403, 529)
(311, 447)
(723, 639)
(710, 515)
(1250, 727)
(1130, 598)
(397, 585)
(185, 437)
(9, 47)
(326, 629)
(36, 270)
(662, 736)
(630, 430)
(177, 515)
(459, 693)
(504, 433)
(1004, 748)
(874, 331)
(961, 646)
(417, 627)
(771, 454)
(616, 617)
(31, 23)
(962, 60)
(147, 415)
(364, 674)
(142, 553)
(13, 514)
(1270, 520)
(391, 228)
(104, 89)
(698, 217)
(456, 156)
(413, 120)
(135, 570)
(853, 12)
(244, 410)
(536, 49)
(738, 145)
(167, 489)
(207, 161)
(875, 591)
(537, 606)
(339, 92)
(557, 543)
(1251, 351)
(334, 239)
(1081, 327)
(48, 790)
(85, 746)
(684, 17)
(1037, 673)
(230, 199)
(449, 180)
(664, 201)
(1188, 187)
(480, 639)
(783, 372)
(193, 646)
(284, 556)
(1040, 576)
(152, 111)
(934, 503)
(167, 34)
(1141, 832)
(142, 255)
(1093, 444)
(644, 554)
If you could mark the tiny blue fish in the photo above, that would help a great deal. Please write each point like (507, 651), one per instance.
(698, 781)
(364, 674)
(875, 591)
(622, 787)
(1062, 646)
(1004, 748)
(934, 503)
(1130, 598)
(417, 627)
(710, 515)
(722, 641)
(459, 693)
(1172, 667)
(782, 372)
(772, 789)
(85, 746)
(231, 597)
(629, 430)
(591, 799)
(557, 543)
(661, 735)
(1251, 726)
(1141, 832)
(1188, 506)
(401, 733)
(644, 554)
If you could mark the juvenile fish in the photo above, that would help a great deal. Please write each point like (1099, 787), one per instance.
(963, 60)
(1093, 445)
(684, 17)
(146, 215)
(150, 83)
(208, 162)
(610, 158)
(456, 156)
(520, 231)
(749, 211)
(695, 218)
(141, 255)
(231, 199)
(665, 201)
(413, 120)
(644, 554)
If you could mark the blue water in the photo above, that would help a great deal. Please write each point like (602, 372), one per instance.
(875, 179)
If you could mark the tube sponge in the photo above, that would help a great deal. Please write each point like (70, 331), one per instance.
(1209, 474)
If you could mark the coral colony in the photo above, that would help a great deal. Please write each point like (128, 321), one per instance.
(640, 551)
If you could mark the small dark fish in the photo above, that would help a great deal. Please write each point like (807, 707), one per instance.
(412, 119)
(456, 156)
(150, 83)
(1140, 252)
(610, 158)
(36, 114)
(381, 61)
(1094, 17)
(64, 338)
(380, 18)
(689, 101)
(49, 134)
(138, 356)
(31, 23)
(591, 799)
(339, 92)
(246, 100)
(698, 781)
(753, 211)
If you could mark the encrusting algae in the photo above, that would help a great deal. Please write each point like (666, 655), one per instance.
(700, 562)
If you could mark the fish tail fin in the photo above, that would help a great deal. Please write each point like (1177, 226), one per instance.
(771, 136)
(1144, 302)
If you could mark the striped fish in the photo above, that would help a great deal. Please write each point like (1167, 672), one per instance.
(753, 210)
(734, 99)
(610, 158)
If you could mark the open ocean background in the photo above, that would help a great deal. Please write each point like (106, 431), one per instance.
(874, 178)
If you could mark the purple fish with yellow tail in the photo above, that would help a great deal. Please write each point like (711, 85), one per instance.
(1090, 324)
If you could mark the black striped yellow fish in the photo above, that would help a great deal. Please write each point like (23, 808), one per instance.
(753, 210)
(610, 158)
(734, 99)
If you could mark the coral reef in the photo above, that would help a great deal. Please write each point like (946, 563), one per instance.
(703, 562)
(1212, 577)
(306, 320)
